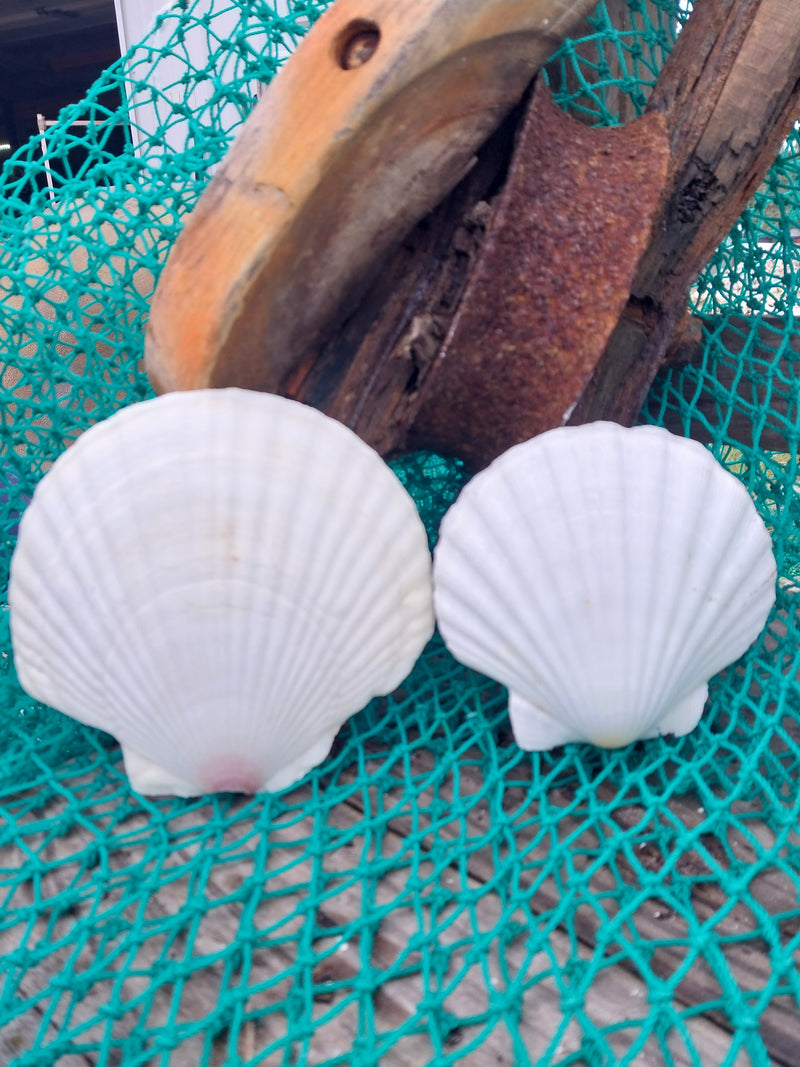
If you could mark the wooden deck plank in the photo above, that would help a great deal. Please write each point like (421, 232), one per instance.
(754, 359)
(656, 920)
(615, 995)
(398, 998)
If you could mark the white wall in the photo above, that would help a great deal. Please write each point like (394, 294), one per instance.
(134, 19)
(150, 110)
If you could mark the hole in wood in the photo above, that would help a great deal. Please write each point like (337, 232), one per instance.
(357, 44)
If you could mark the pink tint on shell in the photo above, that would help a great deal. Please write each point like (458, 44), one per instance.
(230, 773)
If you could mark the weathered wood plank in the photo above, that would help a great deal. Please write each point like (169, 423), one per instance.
(272, 968)
(756, 361)
(658, 918)
(607, 54)
(309, 200)
(730, 91)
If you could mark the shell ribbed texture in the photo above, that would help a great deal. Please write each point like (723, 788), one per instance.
(604, 575)
(219, 578)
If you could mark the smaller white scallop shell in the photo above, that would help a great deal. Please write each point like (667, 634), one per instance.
(603, 575)
(219, 579)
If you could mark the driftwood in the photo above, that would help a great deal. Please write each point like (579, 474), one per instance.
(729, 92)
(426, 357)
(375, 118)
(450, 346)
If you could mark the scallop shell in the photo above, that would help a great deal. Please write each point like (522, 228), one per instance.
(603, 575)
(219, 579)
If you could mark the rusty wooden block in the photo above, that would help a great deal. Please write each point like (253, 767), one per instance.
(572, 222)
(501, 314)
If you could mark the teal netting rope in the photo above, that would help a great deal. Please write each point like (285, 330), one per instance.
(430, 894)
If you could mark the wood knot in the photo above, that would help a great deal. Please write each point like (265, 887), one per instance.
(357, 44)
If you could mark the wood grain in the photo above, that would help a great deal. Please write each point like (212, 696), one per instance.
(335, 164)
(750, 397)
(271, 291)
(231, 891)
(729, 92)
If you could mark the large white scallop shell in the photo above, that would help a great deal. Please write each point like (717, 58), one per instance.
(603, 575)
(219, 579)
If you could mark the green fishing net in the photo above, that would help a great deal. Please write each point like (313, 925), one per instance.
(430, 894)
